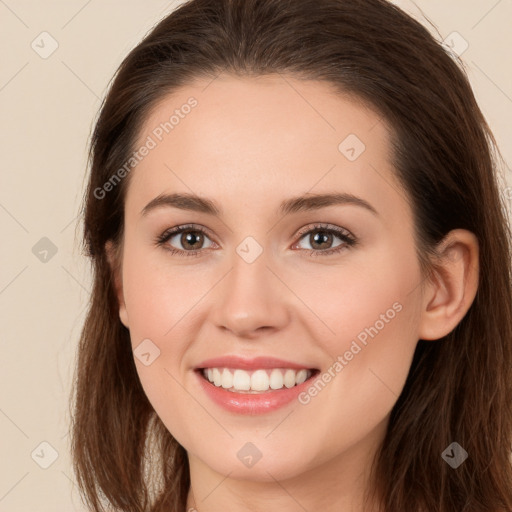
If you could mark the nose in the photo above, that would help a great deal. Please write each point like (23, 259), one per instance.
(251, 300)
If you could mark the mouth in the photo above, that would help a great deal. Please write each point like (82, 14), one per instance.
(256, 381)
(253, 386)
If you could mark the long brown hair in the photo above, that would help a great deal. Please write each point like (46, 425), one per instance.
(444, 154)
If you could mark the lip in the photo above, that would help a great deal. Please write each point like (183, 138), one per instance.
(250, 403)
(263, 362)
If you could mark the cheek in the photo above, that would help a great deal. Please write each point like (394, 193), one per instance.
(153, 294)
(156, 307)
(367, 298)
(366, 319)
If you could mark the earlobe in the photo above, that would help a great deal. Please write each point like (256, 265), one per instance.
(114, 261)
(452, 285)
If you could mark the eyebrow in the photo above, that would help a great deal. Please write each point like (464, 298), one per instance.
(309, 202)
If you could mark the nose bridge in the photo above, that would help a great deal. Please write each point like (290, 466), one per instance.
(250, 297)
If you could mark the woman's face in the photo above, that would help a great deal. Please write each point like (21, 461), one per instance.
(277, 284)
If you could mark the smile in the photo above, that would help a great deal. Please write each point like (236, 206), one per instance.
(256, 381)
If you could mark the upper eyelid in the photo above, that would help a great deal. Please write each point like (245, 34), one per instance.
(185, 227)
(327, 226)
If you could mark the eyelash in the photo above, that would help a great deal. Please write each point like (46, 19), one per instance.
(348, 239)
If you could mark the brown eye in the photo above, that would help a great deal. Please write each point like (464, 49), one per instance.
(184, 240)
(191, 239)
(320, 239)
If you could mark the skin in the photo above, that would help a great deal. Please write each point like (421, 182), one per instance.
(249, 144)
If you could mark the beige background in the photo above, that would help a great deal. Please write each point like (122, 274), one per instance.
(48, 106)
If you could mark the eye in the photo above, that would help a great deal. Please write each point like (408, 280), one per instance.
(191, 239)
(321, 239)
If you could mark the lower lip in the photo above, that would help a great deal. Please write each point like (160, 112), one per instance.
(251, 404)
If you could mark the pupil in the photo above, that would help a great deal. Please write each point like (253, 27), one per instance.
(321, 237)
(190, 238)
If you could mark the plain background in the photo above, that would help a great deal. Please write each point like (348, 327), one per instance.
(48, 107)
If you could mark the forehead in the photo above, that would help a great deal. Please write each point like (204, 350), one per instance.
(259, 139)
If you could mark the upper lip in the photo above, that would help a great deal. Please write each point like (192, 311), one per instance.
(263, 362)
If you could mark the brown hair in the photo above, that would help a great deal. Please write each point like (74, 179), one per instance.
(444, 154)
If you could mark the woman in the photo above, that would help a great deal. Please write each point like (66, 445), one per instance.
(225, 365)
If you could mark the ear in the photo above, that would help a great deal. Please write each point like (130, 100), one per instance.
(114, 261)
(452, 286)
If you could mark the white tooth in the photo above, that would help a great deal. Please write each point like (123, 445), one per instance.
(227, 379)
(276, 379)
(210, 374)
(301, 376)
(259, 381)
(289, 378)
(217, 378)
(241, 380)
